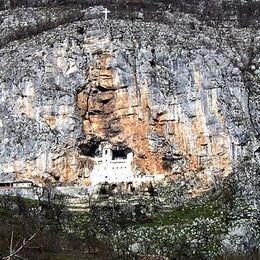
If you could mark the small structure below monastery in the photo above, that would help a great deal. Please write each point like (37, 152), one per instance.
(16, 184)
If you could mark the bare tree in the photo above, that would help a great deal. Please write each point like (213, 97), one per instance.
(13, 251)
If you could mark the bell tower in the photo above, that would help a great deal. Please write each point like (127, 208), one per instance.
(107, 154)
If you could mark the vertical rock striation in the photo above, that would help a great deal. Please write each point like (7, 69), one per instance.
(177, 96)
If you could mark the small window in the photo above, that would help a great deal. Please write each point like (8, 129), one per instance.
(105, 151)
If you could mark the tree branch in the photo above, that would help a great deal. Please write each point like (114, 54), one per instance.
(14, 252)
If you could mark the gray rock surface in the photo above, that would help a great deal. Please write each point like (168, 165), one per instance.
(184, 99)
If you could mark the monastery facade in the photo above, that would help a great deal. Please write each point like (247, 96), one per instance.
(115, 166)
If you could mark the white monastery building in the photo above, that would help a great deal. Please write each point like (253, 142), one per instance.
(113, 166)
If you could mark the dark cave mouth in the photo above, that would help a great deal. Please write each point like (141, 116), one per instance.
(119, 154)
(90, 148)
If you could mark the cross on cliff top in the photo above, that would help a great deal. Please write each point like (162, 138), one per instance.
(106, 12)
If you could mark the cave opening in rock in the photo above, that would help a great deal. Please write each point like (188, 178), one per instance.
(119, 154)
(90, 148)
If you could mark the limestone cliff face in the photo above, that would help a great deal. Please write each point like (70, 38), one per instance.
(177, 97)
(124, 101)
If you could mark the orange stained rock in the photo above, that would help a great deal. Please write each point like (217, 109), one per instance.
(194, 141)
(105, 76)
(121, 98)
(66, 167)
(130, 110)
(82, 101)
(133, 121)
(105, 73)
(95, 124)
(94, 105)
(50, 121)
(136, 132)
(105, 96)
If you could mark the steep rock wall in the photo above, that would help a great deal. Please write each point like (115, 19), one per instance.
(169, 135)
(173, 95)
